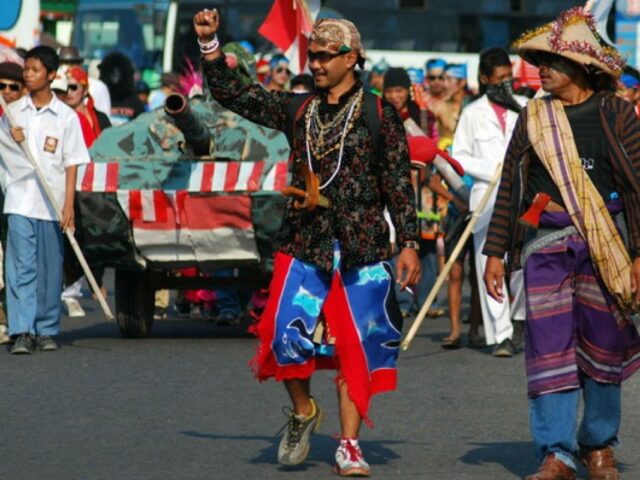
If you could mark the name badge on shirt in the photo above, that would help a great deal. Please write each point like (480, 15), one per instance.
(50, 144)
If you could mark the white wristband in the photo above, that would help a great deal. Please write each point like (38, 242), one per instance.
(209, 47)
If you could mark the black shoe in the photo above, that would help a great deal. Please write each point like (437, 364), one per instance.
(226, 319)
(46, 343)
(476, 341)
(504, 349)
(183, 309)
(24, 345)
(518, 333)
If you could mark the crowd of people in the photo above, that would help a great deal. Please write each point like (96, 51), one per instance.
(553, 250)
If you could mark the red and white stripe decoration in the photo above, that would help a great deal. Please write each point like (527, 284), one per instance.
(225, 177)
(145, 205)
(98, 177)
(215, 177)
(277, 178)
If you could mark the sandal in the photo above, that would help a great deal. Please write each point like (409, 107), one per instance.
(435, 312)
(449, 343)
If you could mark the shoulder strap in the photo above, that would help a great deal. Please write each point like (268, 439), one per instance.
(373, 111)
(295, 110)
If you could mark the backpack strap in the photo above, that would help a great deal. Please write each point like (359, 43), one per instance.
(295, 110)
(373, 111)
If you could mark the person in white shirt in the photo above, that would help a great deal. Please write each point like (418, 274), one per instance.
(480, 142)
(34, 253)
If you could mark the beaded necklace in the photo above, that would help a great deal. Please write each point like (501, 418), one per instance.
(323, 138)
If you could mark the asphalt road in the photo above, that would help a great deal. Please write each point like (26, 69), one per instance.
(184, 405)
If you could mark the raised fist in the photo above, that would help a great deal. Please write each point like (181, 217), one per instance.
(206, 23)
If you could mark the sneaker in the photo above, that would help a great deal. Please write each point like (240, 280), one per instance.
(504, 349)
(4, 336)
(24, 345)
(294, 446)
(196, 312)
(349, 460)
(226, 319)
(159, 313)
(182, 308)
(74, 309)
(46, 343)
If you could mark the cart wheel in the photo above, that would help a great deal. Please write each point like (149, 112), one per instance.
(134, 303)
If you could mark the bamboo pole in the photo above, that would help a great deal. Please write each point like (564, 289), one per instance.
(54, 203)
(452, 258)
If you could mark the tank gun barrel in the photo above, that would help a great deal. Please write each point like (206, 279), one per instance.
(195, 132)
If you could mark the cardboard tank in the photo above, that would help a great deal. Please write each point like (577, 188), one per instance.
(192, 184)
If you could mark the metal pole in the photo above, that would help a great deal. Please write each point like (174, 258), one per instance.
(52, 199)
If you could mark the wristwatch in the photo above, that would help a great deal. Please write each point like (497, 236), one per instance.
(411, 244)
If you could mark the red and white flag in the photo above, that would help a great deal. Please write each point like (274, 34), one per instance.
(183, 227)
(288, 26)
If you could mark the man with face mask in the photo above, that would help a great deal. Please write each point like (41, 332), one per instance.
(479, 144)
(334, 241)
(567, 214)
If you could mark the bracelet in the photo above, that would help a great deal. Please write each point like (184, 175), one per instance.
(209, 47)
(411, 244)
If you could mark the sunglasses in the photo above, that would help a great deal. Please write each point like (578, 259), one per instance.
(322, 57)
(281, 70)
(14, 87)
(73, 87)
(433, 78)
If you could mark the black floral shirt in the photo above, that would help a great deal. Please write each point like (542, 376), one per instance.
(365, 184)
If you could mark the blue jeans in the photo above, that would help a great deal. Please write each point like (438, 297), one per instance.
(227, 302)
(554, 419)
(34, 275)
(429, 267)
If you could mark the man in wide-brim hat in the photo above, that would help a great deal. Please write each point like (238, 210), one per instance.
(569, 183)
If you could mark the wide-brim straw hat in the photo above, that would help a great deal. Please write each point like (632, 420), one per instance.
(572, 35)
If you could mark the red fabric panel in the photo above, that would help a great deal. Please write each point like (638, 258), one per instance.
(113, 170)
(351, 357)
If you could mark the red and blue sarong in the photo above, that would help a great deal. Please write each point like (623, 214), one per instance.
(360, 312)
(573, 323)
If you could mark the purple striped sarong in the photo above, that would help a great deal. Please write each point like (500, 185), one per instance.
(573, 323)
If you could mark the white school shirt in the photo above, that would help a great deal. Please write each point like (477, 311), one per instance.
(54, 136)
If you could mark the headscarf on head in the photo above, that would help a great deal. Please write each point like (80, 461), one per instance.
(629, 81)
(381, 67)
(338, 36)
(80, 75)
(435, 63)
(278, 59)
(456, 70)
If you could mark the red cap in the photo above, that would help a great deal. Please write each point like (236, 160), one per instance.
(423, 150)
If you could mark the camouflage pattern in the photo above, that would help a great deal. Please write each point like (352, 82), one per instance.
(152, 155)
(153, 137)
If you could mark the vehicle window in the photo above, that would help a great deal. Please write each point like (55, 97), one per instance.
(130, 31)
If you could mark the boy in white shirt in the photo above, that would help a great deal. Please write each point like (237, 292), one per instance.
(34, 245)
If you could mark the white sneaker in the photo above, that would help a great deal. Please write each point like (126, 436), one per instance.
(349, 460)
(74, 309)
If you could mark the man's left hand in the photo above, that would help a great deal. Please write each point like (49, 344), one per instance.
(635, 281)
(407, 268)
